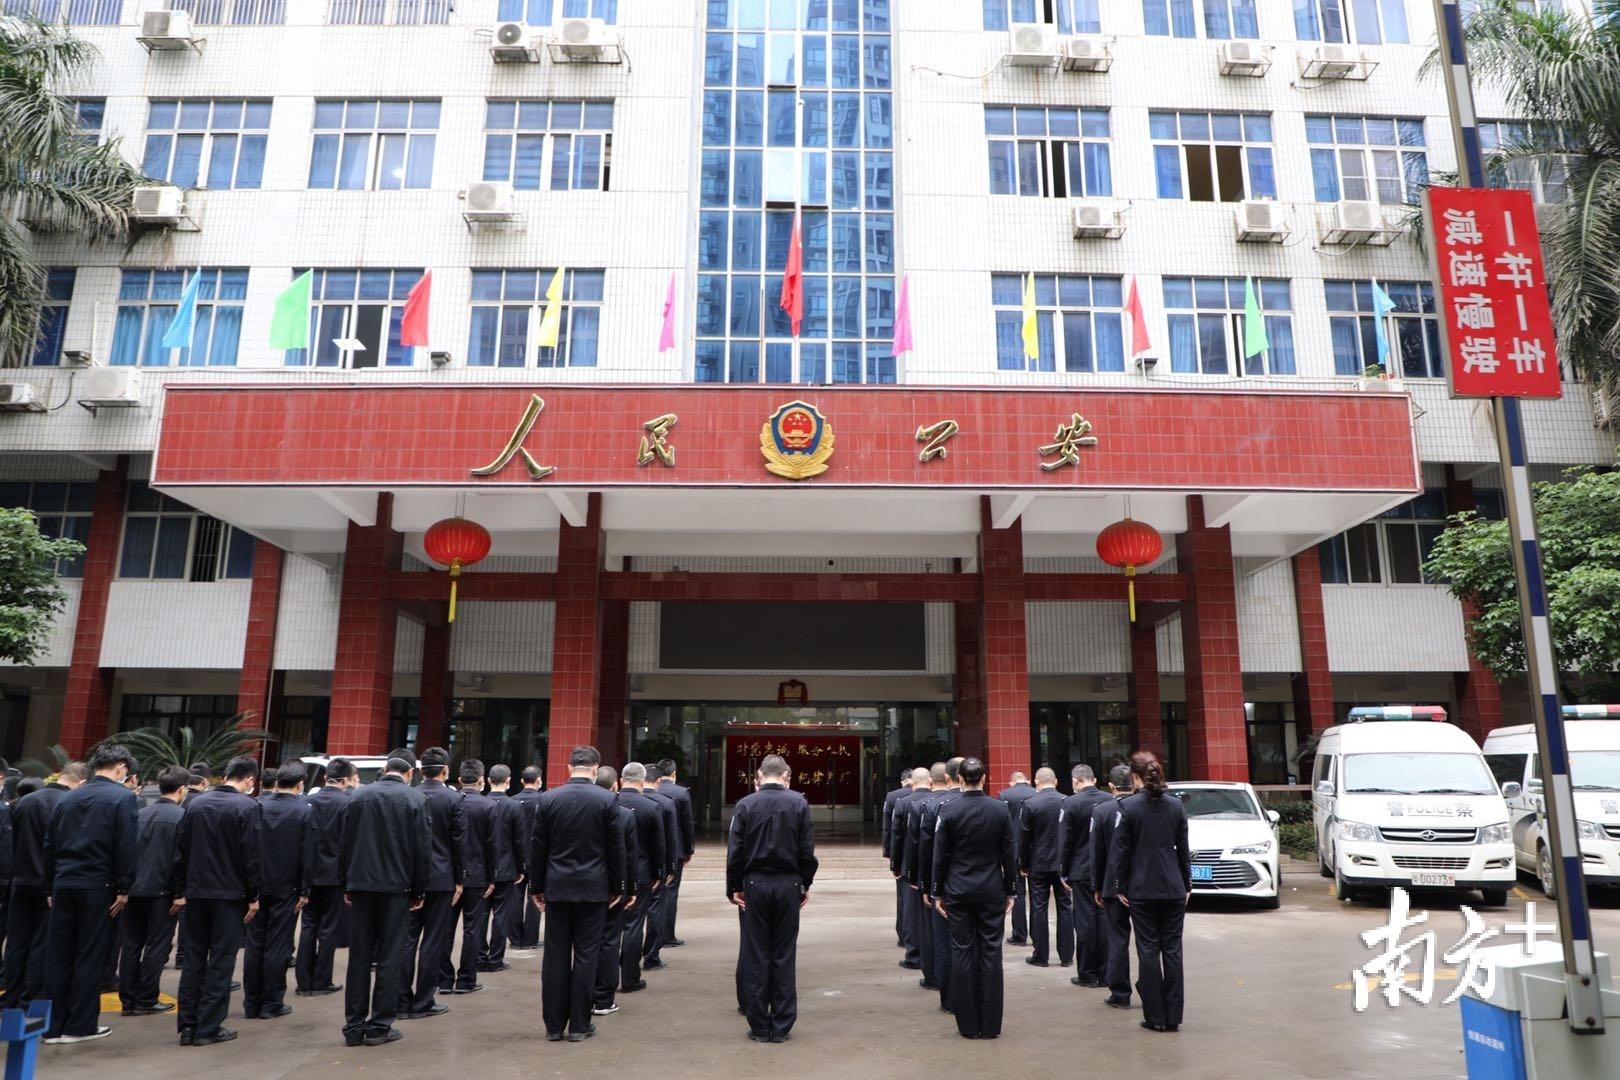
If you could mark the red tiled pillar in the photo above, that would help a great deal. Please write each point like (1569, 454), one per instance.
(259, 647)
(1313, 686)
(1217, 735)
(87, 706)
(576, 641)
(433, 697)
(363, 677)
(972, 738)
(615, 682)
(1145, 688)
(1479, 696)
(1005, 669)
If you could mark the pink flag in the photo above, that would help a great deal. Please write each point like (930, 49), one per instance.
(413, 323)
(666, 336)
(793, 280)
(902, 319)
(1139, 331)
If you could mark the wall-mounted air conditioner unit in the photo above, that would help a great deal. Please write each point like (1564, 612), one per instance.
(158, 204)
(511, 43)
(19, 397)
(1097, 220)
(109, 388)
(1086, 54)
(584, 40)
(1248, 58)
(1358, 221)
(488, 200)
(166, 31)
(1033, 45)
(1333, 61)
(1261, 222)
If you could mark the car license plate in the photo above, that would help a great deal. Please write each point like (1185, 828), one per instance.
(1444, 881)
(1203, 873)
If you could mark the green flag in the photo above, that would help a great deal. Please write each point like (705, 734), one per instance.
(1254, 323)
(289, 325)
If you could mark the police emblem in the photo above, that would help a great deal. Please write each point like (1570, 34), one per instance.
(796, 441)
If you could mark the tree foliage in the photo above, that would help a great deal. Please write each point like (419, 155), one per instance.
(1578, 521)
(30, 594)
(155, 749)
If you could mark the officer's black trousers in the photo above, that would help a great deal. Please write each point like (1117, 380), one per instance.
(628, 962)
(926, 940)
(671, 902)
(426, 951)
(148, 935)
(474, 923)
(976, 989)
(900, 912)
(1042, 890)
(916, 926)
(607, 966)
(377, 923)
(1116, 925)
(80, 934)
(655, 922)
(1020, 921)
(1157, 925)
(568, 970)
(269, 944)
(27, 919)
(939, 927)
(770, 949)
(497, 919)
(212, 935)
(318, 937)
(1090, 948)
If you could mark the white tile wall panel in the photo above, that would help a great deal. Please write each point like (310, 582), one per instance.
(306, 626)
(1086, 564)
(1268, 626)
(1376, 629)
(740, 564)
(58, 650)
(1171, 660)
(408, 637)
(504, 636)
(175, 624)
(1091, 638)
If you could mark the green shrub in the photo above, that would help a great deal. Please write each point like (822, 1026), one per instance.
(1295, 812)
(1298, 839)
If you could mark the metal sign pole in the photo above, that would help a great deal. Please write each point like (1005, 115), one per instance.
(1582, 990)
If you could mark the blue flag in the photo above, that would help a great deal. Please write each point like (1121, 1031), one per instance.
(1382, 306)
(178, 335)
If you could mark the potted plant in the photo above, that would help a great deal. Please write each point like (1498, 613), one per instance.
(1374, 377)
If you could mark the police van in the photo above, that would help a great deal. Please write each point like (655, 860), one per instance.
(1593, 741)
(1401, 797)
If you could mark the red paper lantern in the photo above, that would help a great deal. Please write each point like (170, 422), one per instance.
(456, 542)
(1129, 544)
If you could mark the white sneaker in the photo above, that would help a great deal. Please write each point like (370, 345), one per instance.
(609, 1011)
(68, 1040)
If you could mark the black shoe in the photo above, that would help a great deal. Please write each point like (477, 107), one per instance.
(752, 1037)
(1151, 1026)
(148, 1010)
(223, 1035)
(235, 986)
(320, 991)
(274, 1012)
(1032, 962)
(554, 1036)
(1117, 1003)
(1017, 941)
(654, 965)
(436, 1009)
(1172, 1027)
(392, 1035)
(781, 1038)
(502, 966)
(911, 965)
(926, 985)
(1080, 980)
(248, 1014)
(581, 1036)
(983, 1035)
(354, 1040)
(674, 943)
(473, 989)
(605, 1010)
(965, 1035)
(946, 1009)
(639, 984)
(188, 1038)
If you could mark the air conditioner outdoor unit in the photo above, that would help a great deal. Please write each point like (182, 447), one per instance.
(1261, 221)
(109, 388)
(1094, 220)
(1086, 54)
(510, 44)
(1333, 61)
(1244, 58)
(1358, 218)
(160, 204)
(489, 200)
(1032, 45)
(166, 30)
(19, 397)
(582, 39)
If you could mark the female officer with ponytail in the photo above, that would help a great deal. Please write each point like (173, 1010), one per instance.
(1152, 868)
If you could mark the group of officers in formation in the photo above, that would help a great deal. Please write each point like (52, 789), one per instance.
(98, 885)
(1114, 864)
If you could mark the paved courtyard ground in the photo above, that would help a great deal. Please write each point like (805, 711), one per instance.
(1268, 995)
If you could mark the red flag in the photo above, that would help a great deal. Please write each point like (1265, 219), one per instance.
(793, 279)
(1139, 331)
(413, 327)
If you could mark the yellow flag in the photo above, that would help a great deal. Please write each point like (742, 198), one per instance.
(551, 321)
(1032, 337)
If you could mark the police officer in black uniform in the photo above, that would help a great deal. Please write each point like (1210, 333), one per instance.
(477, 885)
(1152, 869)
(576, 872)
(657, 925)
(1115, 917)
(147, 926)
(975, 875)
(938, 936)
(506, 834)
(649, 869)
(912, 822)
(888, 830)
(912, 926)
(1040, 862)
(770, 865)
(386, 863)
(1018, 793)
(28, 913)
(284, 892)
(525, 932)
(1076, 881)
(323, 915)
(669, 784)
(607, 966)
(217, 880)
(428, 930)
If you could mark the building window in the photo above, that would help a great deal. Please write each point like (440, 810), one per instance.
(1207, 333)
(541, 12)
(1222, 18)
(356, 319)
(1367, 158)
(507, 308)
(165, 539)
(580, 134)
(1390, 549)
(1545, 176)
(1411, 330)
(1367, 22)
(234, 12)
(1071, 16)
(147, 303)
(91, 112)
(204, 714)
(229, 134)
(366, 144)
(797, 115)
(1212, 157)
(1078, 319)
(62, 509)
(53, 313)
(1062, 153)
(75, 12)
(388, 12)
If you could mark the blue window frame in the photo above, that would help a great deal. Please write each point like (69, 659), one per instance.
(1212, 157)
(1205, 316)
(53, 314)
(73, 12)
(1377, 158)
(1222, 18)
(388, 12)
(62, 509)
(1079, 320)
(1057, 152)
(147, 303)
(369, 144)
(206, 143)
(541, 12)
(357, 307)
(555, 145)
(164, 539)
(1367, 22)
(1412, 328)
(1000, 14)
(234, 12)
(507, 306)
